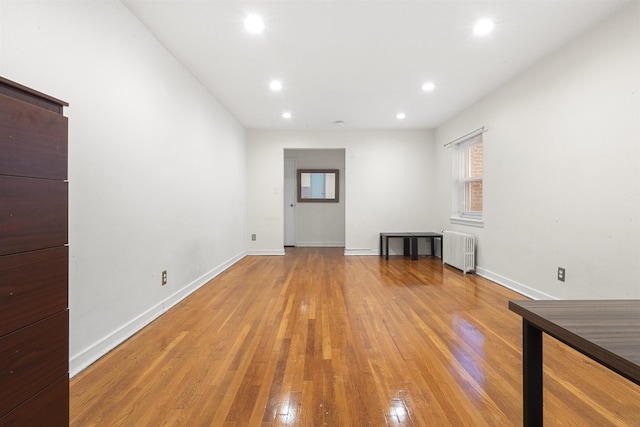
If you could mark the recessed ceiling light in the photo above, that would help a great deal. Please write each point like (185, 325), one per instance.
(276, 85)
(400, 116)
(483, 27)
(428, 87)
(254, 24)
(286, 115)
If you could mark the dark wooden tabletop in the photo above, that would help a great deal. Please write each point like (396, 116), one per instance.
(605, 330)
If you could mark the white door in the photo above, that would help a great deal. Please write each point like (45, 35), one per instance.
(289, 202)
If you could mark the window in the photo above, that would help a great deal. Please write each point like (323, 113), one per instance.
(467, 181)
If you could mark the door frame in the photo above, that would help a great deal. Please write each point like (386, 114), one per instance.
(289, 202)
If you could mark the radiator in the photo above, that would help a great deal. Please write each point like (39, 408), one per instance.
(459, 250)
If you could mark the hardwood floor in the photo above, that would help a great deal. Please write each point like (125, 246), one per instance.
(316, 338)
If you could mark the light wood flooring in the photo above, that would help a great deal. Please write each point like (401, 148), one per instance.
(315, 338)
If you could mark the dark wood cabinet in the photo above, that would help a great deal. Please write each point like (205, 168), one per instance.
(34, 258)
(33, 140)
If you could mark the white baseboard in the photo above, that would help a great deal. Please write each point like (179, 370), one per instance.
(266, 252)
(86, 357)
(320, 244)
(514, 286)
(367, 252)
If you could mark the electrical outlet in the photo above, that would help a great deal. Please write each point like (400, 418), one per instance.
(561, 274)
(253, 237)
(164, 277)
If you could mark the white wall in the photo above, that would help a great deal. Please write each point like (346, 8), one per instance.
(320, 224)
(562, 169)
(389, 178)
(156, 165)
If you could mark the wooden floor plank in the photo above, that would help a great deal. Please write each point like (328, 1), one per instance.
(315, 338)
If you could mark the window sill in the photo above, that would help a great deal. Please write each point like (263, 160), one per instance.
(467, 221)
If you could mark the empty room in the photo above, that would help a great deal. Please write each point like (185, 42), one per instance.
(319, 212)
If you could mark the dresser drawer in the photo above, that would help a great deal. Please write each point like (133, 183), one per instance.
(33, 141)
(33, 214)
(32, 358)
(33, 285)
(48, 408)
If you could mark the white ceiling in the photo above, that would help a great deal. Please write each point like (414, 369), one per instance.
(360, 61)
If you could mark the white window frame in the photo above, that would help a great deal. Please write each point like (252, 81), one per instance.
(459, 212)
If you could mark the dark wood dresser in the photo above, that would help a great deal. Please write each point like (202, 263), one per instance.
(34, 259)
